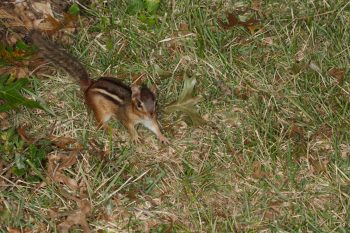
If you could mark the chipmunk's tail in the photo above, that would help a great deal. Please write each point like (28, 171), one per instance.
(60, 58)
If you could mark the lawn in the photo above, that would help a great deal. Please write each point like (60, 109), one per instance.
(270, 152)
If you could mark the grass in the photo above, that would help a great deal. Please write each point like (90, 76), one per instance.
(274, 156)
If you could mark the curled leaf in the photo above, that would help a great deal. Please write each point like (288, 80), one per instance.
(186, 102)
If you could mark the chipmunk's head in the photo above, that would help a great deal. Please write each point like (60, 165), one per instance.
(144, 101)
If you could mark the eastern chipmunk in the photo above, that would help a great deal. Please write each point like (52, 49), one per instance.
(107, 97)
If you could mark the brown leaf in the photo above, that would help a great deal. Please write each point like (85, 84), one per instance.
(67, 22)
(43, 8)
(78, 217)
(183, 27)
(258, 173)
(4, 122)
(98, 150)
(232, 20)
(296, 132)
(57, 163)
(13, 230)
(319, 166)
(267, 41)
(240, 93)
(22, 133)
(256, 5)
(337, 73)
(66, 143)
(270, 214)
(22, 11)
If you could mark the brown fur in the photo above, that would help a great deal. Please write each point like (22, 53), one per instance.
(107, 97)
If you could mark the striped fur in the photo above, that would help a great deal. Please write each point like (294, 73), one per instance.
(62, 59)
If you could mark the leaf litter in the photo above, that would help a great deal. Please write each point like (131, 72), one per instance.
(57, 163)
(233, 20)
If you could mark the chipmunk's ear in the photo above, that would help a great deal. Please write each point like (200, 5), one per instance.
(153, 89)
(135, 92)
(136, 96)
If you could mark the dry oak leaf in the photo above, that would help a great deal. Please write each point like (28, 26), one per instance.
(337, 73)
(57, 163)
(232, 20)
(77, 217)
(65, 143)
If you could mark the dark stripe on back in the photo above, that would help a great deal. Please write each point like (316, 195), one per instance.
(113, 86)
(116, 82)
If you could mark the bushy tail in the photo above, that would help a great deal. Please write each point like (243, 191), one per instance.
(62, 59)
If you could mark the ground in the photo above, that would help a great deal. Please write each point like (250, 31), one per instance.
(272, 156)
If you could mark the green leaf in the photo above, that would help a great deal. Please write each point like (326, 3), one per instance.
(186, 102)
(19, 171)
(135, 6)
(152, 6)
(20, 45)
(10, 93)
(74, 9)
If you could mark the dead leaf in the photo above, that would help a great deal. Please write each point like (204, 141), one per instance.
(319, 166)
(13, 230)
(296, 132)
(270, 214)
(183, 27)
(337, 73)
(232, 20)
(43, 8)
(22, 11)
(22, 133)
(98, 150)
(258, 173)
(19, 72)
(242, 92)
(78, 217)
(256, 5)
(4, 122)
(67, 22)
(267, 41)
(57, 163)
(186, 102)
(66, 143)
(252, 25)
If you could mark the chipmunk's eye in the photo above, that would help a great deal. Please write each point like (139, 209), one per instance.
(139, 104)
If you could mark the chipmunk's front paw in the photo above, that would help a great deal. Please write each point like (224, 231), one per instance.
(163, 140)
(135, 139)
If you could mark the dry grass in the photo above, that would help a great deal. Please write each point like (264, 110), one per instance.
(274, 156)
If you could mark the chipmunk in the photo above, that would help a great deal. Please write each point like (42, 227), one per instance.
(106, 96)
